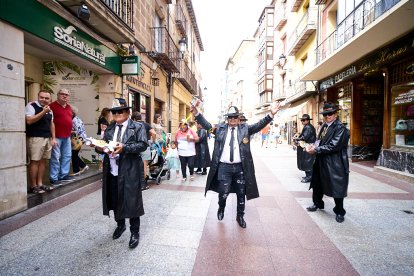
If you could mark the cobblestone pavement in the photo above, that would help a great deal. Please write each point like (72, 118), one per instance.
(180, 234)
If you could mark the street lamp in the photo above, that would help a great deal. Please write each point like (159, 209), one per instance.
(282, 61)
(183, 46)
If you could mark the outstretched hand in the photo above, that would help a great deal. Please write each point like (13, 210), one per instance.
(275, 107)
(194, 110)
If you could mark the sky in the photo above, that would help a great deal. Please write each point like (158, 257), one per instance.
(223, 24)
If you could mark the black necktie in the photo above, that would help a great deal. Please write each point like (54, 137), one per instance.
(232, 145)
(322, 133)
(118, 136)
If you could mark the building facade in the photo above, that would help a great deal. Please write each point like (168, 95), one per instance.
(99, 50)
(364, 63)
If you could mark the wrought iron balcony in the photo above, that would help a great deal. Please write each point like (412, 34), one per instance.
(180, 20)
(306, 27)
(123, 9)
(112, 18)
(300, 89)
(164, 50)
(280, 16)
(184, 76)
(362, 16)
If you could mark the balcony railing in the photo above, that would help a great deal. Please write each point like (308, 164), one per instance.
(123, 9)
(280, 16)
(307, 26)
(184, 76)
(362, 16)
(180, 20)
(299, 89)
(164, 50)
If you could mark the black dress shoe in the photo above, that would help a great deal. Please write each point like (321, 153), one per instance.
(313, 208)
(340, 218)
(241, 221)
(133, 242)
(305, 180)
(118, 232)
(220, 213)
(204, 173)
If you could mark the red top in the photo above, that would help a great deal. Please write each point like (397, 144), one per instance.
(62, 117)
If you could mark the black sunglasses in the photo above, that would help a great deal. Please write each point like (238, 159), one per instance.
(303, 120)
(328, 114)
(233, 117)
(117, 111)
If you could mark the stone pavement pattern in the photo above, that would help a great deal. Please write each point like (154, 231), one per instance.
(180, 233)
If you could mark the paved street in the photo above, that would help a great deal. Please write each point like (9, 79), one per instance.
(180, 234)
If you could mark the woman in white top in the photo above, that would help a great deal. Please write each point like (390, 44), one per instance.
(186, 139)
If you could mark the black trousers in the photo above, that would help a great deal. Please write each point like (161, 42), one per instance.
(308, 174)
(317, 195)
(77, 162)
(187, 160)
(231, 178)
(134, 223)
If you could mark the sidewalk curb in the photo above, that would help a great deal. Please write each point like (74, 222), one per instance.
(23, 218)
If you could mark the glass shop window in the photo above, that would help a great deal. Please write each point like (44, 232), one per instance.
(402, 116)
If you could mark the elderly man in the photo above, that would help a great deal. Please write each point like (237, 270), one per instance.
(331, 167)
(123, 171)
(232, 168)
(62, 151)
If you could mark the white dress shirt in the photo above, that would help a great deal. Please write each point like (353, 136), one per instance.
(225, 156)
(114, 157)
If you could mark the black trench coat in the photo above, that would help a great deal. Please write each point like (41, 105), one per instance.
(331, 168)
(130, 173)
(203, 159)
(305, 160)
(243, 136)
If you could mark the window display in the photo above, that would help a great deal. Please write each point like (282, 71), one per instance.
(402, 116)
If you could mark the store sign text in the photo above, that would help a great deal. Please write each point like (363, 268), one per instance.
(405, 98)
(139, 83)
(65, 38)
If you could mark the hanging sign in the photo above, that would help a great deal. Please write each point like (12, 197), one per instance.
(130, 65)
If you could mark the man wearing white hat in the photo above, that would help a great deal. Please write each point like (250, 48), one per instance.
(232, 168)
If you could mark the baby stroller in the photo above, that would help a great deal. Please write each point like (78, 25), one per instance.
(158, 165)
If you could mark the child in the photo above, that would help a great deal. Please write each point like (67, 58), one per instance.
(173, 159)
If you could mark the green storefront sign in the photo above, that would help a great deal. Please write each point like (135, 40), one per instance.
(33, 17)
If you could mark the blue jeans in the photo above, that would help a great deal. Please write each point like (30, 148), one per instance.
(60, 159)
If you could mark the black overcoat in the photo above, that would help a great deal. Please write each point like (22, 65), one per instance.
(203, 159)
(331, 168)
(304, 159)
(243, 135)
(130, 172)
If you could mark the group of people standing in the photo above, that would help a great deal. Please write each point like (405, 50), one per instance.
(49, 127)
(324, 159)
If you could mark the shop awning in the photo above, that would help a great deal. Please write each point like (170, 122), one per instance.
(286, 113)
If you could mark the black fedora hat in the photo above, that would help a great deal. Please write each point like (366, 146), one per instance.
(305, 117)
(243, 118)
(329, 108)
(233, 112)
(119, 104)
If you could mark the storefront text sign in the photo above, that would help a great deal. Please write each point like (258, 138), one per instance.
(130, 65)
(403, 98)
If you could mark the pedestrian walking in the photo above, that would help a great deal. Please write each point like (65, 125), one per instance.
(122, 171)
(232, 168)
(172, 158)
(145, 155)
(331, 168)
(40, 133)
(103, 119)
(62, 151)
(203, 159)
(305, 159)
(186, 139)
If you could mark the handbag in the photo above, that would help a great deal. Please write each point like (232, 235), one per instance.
(76, 142)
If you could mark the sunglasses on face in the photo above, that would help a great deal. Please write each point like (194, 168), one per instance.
(236, 117)
(117, 112)
(303, 120)
(328, 114)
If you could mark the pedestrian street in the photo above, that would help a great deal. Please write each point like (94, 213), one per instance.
(180, 233)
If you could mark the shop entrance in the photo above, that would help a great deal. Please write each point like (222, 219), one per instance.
(141, 103)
